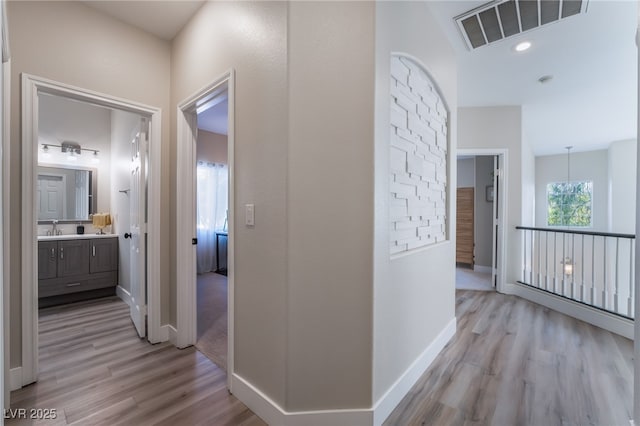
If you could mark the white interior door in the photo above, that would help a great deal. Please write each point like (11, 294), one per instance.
(494, 228)
(51, 198)
(138, 225)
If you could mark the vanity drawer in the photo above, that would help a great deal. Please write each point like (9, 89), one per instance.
(58, 286)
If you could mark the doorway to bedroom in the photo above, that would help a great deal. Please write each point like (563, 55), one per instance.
(479, 216)
(212, 220)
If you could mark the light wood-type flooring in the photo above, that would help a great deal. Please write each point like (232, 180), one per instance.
(212, 317)
(94, 370)
(468, 279)
(513, 362)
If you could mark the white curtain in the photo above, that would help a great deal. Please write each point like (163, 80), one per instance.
(212, 204)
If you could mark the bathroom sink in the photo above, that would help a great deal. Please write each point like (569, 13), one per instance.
(74, 236)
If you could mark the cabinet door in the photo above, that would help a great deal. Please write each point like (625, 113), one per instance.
(104, 255)
(73, 257)
(47, 259)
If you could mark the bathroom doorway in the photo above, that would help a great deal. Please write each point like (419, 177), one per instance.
(64, 261)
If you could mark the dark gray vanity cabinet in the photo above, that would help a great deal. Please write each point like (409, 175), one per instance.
(104, 255)
(47, 259)
(76, 269)
(73, 258)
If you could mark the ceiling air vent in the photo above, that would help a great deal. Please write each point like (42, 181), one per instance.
(503, 18)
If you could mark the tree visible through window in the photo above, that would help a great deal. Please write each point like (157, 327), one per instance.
(569, 204)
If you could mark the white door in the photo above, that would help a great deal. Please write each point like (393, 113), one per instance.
(138, 226)
(494, 231)
(51, 198)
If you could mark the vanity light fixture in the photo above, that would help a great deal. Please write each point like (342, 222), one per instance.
(46, 154)
(72, 149)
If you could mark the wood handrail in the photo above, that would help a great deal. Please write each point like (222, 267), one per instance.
(572, 231)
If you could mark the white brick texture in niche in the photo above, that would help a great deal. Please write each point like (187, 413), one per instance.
(418, 158)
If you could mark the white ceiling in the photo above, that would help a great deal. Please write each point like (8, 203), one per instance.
(162, 18)
(592, 99)
(590, 102)
(215, 118)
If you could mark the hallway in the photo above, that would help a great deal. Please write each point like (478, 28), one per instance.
(513, 362)
(95, 370)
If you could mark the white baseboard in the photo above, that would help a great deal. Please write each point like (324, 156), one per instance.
(392, 397)
(15, 378)
(602, 319)
(480, 268)
(124, 294)
(171, 333)
(269, 411)
(273, 414)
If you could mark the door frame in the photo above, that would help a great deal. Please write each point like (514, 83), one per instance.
(186, 292)
(32, 86)
(501, 199)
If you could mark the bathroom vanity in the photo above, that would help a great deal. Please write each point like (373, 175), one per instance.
(76, 267)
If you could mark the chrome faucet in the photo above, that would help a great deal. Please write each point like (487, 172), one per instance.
(54, 228)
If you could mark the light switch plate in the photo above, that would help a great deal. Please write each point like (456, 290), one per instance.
(249, 212)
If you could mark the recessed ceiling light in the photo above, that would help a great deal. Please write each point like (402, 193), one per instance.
(521, 47)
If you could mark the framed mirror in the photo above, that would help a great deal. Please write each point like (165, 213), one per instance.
(66, 193)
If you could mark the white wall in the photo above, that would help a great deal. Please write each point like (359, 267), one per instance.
(466, 173)
(591, 165)
(622, 186)
(413, 294)
(529, 174)
(77, 45)
(61, 119)
(124, 126)
(500, 128)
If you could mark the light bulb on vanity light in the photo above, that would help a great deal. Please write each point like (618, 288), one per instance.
(94, 158)
(46, 154)
(72, 157)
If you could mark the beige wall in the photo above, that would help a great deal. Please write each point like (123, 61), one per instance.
(249, 37)
(414, 294)
(212, 147)
(294, 323)
(330, 204)
(72, 43)
(500, 127)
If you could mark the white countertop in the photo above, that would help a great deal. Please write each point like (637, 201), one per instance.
(74, 237)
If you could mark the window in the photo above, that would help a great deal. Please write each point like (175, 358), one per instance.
(569, 204)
